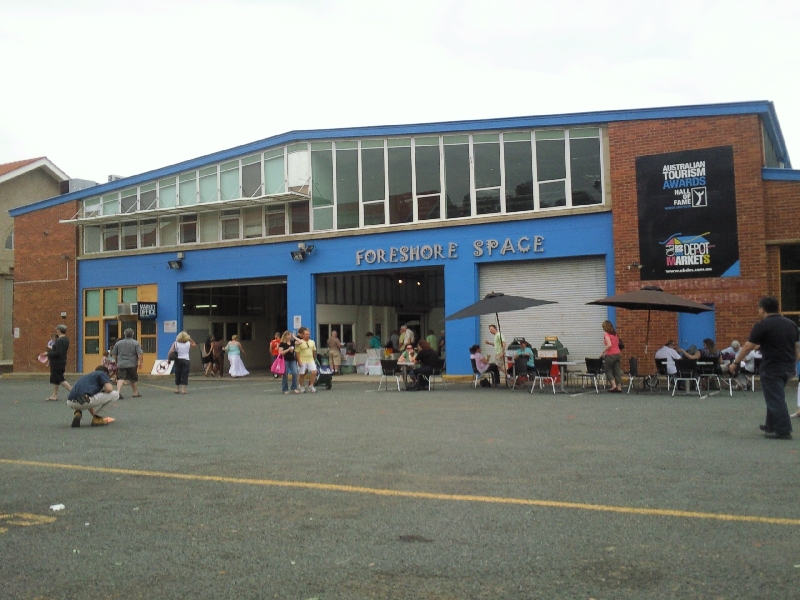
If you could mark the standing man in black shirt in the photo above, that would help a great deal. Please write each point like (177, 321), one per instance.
(777, 338)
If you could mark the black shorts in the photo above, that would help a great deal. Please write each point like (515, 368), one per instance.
(57, 375)
(128, 374)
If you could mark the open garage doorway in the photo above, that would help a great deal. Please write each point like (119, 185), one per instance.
(253, 310)
(379, 302)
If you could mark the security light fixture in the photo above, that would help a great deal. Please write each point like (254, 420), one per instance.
(298, 255)
(302, 251)
(175, 264)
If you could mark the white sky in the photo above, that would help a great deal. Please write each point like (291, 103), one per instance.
(103, 87)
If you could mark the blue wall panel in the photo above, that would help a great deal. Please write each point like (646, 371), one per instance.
(562, 236)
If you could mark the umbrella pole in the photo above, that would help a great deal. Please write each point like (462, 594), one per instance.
(647, 335)
(503, 354)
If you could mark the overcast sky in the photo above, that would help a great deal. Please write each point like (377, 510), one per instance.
(103, 87)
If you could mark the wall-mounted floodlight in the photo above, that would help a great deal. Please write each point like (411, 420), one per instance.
(302, 251)
(175, 264)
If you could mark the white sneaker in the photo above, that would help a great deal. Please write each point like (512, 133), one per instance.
(302, 390)
(313, 389)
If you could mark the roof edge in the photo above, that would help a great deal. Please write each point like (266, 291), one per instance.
(772, 174)
(43, 162)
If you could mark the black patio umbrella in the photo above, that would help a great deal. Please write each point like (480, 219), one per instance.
(497, 303)
(652, 298)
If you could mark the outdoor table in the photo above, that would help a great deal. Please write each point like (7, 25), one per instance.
(406, 368)
(561, 367)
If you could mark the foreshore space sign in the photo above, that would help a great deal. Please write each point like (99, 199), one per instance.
(687, 214)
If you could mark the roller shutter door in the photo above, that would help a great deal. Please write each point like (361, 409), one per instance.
(572, 282)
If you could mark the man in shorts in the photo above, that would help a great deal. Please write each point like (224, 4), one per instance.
(91, 392)
(499, 343)
(335, 352)
(57, 356)
(128, 354)
(306, 352)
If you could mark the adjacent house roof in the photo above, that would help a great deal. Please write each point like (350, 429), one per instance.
(764, 109)
(20, 167)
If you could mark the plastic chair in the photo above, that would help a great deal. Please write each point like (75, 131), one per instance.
(390, 369)
(633, 373)
(436, 375)
(477, 375)
(661, 370)
(542, 369)
(687, 372)
(594, 371)
(707, 370)
(751, 377)
(519, 372)
(373, 360)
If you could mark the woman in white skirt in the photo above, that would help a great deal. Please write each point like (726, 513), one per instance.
(235, 351)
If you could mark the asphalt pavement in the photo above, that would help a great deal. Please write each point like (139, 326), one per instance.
(238, 491)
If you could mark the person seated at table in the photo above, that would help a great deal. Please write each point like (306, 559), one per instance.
(747, 368)
(426, 360)
(669, 355)
(408, 356)
(483, 365)
(729, 353)
(708, 353)
(525, 350)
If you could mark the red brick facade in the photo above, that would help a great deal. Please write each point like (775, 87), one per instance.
(760, 205)
(45, 284)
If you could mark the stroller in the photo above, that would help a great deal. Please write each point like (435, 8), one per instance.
(110, 364)
(324, 375)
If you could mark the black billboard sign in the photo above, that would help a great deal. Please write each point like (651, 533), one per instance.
(687, 214)
(148, 310)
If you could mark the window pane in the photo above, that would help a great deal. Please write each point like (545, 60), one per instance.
(230, 225)
(188, 192)
(456, 181)
(487, 201)
(147, 233)
(128, 202)
(273, 175)
(110, 238)
(372, 175)
(91, 346)
(251, 180)
(129, 294)
(487, 165)
(92, 207)
(346, 188)
(111, 204)
(428, 207)
(401, 203)
(552, 194)
(92, 328)
(208, 186)
(208, 224)
(110, 301)
(166, 193)
(92, 308)
(585, 171)
(92, 240)
(519, 176)
(374, 214)
(276, 221)
(790, 292)
(251, 218)
(323, 218)
(550, 160)
(229, 181)
(322, 178)
(130, 234)
(298, 168)
(167, 231)
(790, 257)
(147, 200)
(426, 161)
(299, 219)
(188, 229)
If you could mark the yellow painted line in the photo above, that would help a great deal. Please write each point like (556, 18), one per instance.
(351, 489)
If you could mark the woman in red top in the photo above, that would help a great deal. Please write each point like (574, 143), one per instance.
(612, 357)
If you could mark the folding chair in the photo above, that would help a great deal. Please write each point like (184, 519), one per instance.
(687, 372)
(594, 371)
(707, 370)
(519, 371)
(436, 375)
(661, 370)
(373, 362)
(542, 369)
(477, 375)
(633, 373)
(390, 369)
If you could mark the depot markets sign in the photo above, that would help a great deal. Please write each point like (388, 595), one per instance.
(427, 252)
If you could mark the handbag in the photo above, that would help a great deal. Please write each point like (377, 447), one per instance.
(173, 354)
(621, 344)
(278, 365)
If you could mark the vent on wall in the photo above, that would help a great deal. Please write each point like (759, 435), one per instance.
(128, 309)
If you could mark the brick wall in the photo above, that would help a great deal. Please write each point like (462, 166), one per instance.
(782, 214)
(734, 298)
(45, 284)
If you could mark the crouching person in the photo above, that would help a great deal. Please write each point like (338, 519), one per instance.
(91, 392)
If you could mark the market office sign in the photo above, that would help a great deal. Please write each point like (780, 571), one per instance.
(687, 214)
(411, 254)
